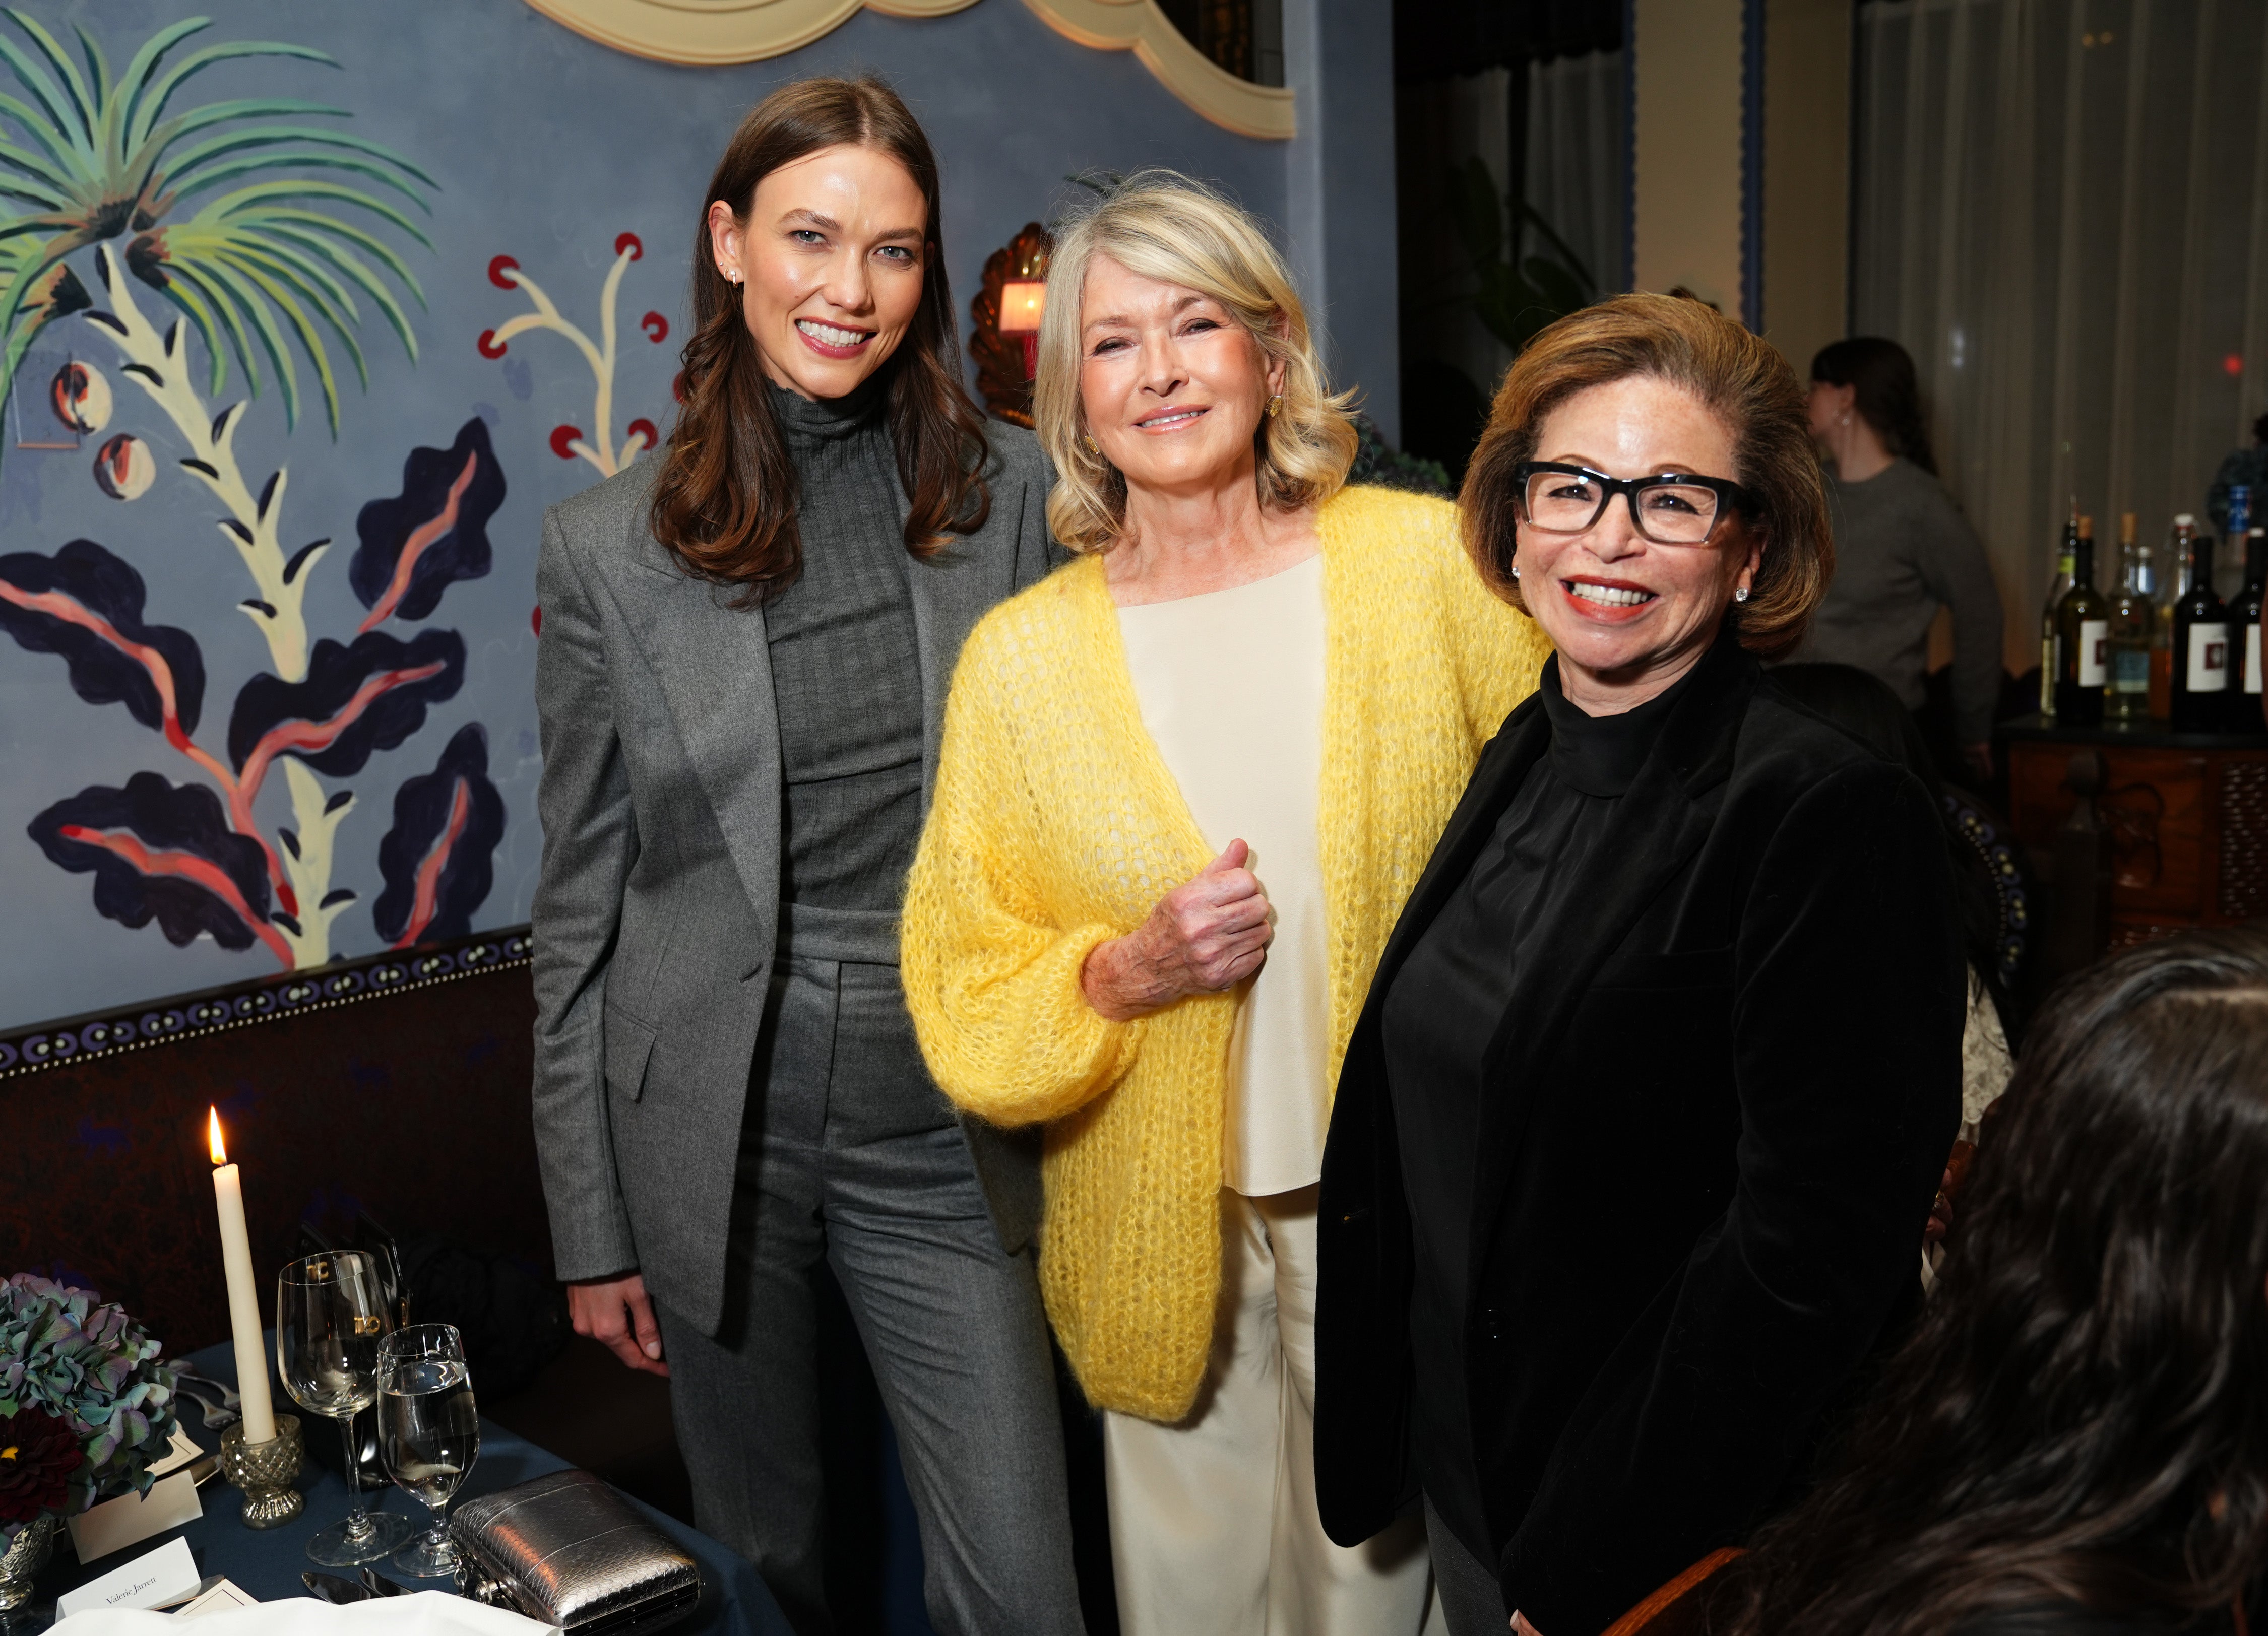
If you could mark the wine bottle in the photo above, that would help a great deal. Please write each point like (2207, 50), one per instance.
(2161, 619)
(2126, 699)
(2050, 657)
(2083, 638)
(2244, 695)
(2200, 648)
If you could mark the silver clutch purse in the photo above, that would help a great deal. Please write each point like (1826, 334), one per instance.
(568, 1551)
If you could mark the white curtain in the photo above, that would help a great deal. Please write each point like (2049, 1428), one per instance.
(2061, 210)
(1577, 143)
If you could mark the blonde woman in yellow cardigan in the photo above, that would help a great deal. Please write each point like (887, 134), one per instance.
(1186, 783)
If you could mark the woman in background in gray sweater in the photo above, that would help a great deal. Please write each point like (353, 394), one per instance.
(1902, 547)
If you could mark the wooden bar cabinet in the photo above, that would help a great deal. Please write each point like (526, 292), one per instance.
(2187, 812)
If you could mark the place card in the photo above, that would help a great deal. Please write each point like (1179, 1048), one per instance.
(130, 1519)
(147, 1582)
(179, 1453)
(222, 1599)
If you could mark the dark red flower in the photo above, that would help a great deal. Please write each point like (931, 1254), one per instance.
(38, 1453)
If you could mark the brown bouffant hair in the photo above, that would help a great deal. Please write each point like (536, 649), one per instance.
(725, 502)
(1740, 378)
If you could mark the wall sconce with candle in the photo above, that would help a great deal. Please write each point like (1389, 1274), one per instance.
(1007, 310)
(1022, 302)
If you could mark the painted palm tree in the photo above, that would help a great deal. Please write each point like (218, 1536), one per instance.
(267, 270)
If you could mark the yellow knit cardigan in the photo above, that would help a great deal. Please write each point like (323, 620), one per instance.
(1055, 826)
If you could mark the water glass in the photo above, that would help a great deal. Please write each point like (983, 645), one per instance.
(330, 1316)
(429, 1432)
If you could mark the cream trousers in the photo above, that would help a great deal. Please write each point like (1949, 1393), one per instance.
(1214, 1525)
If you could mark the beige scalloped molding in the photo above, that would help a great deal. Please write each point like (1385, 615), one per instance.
(711, 33)
(1139, 26)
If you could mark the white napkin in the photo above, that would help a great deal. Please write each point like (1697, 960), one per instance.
(426, 1613)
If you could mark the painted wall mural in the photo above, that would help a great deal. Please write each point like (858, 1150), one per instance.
(265, 270)
(307, 308)
(568, 442)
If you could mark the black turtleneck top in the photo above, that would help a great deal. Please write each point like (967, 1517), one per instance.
(1440, 1016)
(845, 672)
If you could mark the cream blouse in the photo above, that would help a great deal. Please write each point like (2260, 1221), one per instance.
(1230, 686)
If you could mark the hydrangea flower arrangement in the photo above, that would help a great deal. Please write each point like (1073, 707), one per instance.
(84, 1403)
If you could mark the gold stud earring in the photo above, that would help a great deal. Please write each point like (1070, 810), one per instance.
(1275, 406)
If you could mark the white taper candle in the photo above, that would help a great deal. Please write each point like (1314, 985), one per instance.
(243, 1295)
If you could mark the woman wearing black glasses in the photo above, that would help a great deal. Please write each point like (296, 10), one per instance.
(1640, 1129)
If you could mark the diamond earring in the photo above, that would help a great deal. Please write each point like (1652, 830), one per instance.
(1741, 595)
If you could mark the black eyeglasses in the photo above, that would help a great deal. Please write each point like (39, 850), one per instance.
(1669, 507)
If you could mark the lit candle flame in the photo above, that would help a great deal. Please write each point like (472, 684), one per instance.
(213, 1136)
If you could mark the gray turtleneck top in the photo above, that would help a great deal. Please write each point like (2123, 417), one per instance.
(844, 667)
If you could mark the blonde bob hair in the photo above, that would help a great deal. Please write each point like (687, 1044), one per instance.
(1160, 224)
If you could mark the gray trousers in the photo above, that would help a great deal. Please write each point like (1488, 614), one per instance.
(849, 1152)
(1472, 1601)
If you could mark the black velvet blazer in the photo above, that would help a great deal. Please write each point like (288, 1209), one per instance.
(1716, 1111)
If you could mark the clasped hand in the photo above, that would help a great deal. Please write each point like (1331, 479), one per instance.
(1208, 933)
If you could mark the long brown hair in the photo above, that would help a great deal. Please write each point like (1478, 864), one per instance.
(725, 502)
(1740, 378)
(2081, 1417)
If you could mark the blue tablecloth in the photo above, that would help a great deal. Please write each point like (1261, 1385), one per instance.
(734, 1602)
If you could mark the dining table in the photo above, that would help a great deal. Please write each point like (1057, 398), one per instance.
(266, 1563)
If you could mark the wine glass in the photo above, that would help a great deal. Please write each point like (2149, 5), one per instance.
(428, 1432)
(330, 1316)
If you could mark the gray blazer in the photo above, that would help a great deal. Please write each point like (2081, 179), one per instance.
(658, 909)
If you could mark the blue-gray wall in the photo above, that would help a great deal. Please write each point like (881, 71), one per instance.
(545, 146)
(1338, 56)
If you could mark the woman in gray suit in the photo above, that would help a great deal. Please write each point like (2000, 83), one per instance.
(746, 646)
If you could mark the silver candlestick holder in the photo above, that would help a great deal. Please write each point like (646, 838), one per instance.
(265, 1471)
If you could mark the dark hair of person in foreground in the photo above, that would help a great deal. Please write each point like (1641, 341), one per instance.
(2076, 1438)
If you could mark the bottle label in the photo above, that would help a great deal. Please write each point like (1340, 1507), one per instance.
(2208, 658)
(2252, 658)
(2129, 670)
(2093, 652)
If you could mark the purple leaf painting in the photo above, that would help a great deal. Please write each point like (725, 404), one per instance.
(355, 700)
(437, 858)
(435, 532)
(85, 605)
(165, 853)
